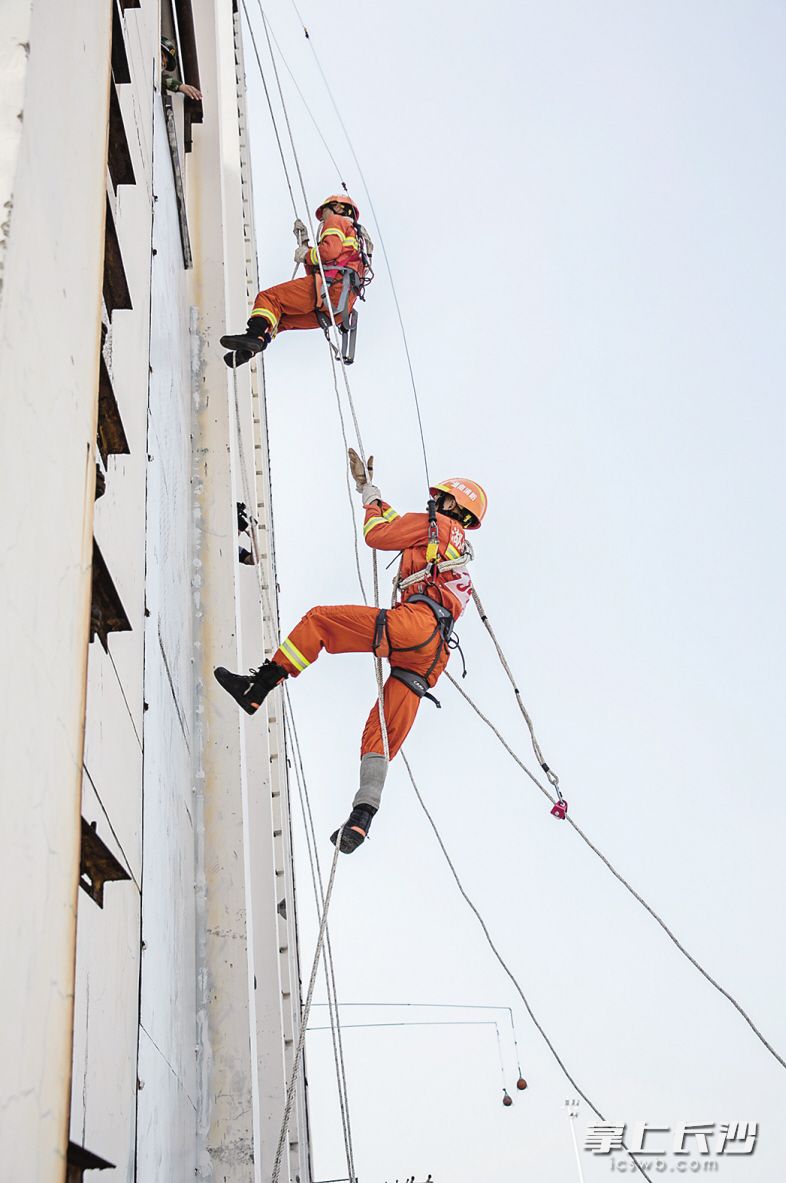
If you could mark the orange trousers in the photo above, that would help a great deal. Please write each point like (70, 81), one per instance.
(293, 305)
(350, 629)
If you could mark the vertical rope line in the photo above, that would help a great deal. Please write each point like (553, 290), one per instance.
(305, 1017)
(310, 833)
(312, 117)
(347, 481)
(350, 400)
(381, 243)
(270, 108)
(327, 952)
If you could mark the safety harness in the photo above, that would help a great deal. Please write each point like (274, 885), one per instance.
(444, 623)
(346, 322)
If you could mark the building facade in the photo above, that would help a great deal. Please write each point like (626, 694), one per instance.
(151, 993)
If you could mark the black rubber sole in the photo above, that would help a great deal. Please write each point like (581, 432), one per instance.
(226, 680)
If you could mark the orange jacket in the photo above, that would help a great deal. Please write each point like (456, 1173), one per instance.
(384, 529)
(337, 247)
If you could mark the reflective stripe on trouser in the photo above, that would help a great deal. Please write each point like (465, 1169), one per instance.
(350, 628)
(292, 305)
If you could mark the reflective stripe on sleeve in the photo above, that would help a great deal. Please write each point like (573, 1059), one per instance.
(371, 523)
(389, 515)
(452, 553)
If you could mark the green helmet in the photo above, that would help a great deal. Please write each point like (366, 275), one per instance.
(169, 50)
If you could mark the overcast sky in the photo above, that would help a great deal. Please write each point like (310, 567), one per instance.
(584, 209)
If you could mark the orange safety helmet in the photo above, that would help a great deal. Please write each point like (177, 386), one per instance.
(469, 494)
(344, 199)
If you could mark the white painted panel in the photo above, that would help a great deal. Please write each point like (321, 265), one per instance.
(105, 1037)
(167, 1120)
(53, 263)
(113, 752)
(167, 1104)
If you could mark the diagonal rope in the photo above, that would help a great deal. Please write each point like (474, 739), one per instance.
(553, 779)
(550, 774)
(473, 908)
(621, 878)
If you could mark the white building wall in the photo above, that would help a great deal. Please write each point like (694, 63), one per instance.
(187, 983)
(53, 199)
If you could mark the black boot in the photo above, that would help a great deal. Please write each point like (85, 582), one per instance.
(246, 345)
(355, 829)
(250, 690)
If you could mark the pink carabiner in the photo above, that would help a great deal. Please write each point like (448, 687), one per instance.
(560, 809)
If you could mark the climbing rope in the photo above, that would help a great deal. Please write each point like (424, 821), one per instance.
(381, 238)
(316, 874)
(305, 1017)
(550, 774)
(553, 779)
(270, 108)
(473, 908)
(620, 877)
(327, 953)
(304, 101)
(335, 352)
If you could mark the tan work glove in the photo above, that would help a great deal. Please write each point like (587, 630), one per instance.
(362, 478)
(301, 253)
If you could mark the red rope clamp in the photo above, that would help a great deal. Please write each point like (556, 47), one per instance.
(560, 808)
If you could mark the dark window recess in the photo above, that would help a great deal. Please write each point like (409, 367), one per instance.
(107, 614)
(130, 4)
(116, 293)
(97, 865)
(121, 169)
(100, 481)
(111, 433)
(178, 175)
(80, 1160)
(120, 68)
(189, 66)
(282, 909)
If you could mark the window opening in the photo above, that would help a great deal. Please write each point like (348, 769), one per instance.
(97, 865)
(121, 169)
(107, 614)
(121, 71)
(116, 293)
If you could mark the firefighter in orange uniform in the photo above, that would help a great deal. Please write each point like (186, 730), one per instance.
(415, 635)
(341, 246)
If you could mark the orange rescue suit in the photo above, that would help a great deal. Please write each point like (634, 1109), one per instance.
(293, 305)
(352, 628)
